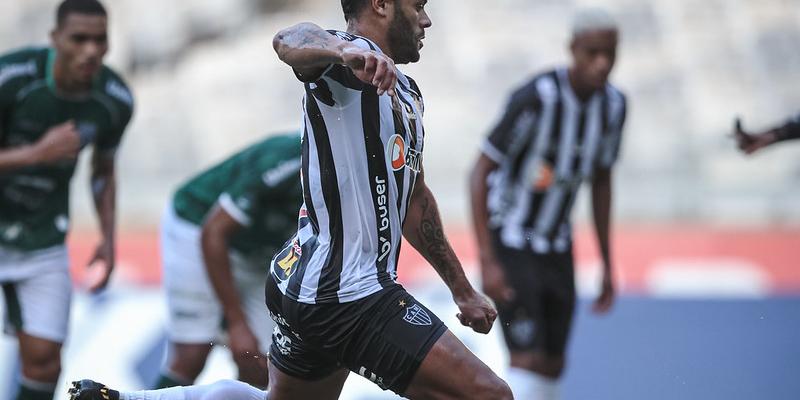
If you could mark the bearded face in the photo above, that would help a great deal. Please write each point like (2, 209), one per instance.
(407, 30)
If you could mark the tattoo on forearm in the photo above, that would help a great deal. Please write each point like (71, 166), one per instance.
(310, 38)
(433, 242)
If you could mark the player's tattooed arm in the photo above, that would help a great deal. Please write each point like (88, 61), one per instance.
(307, 47)
(310, 49)
(429, 239)
(424, 231)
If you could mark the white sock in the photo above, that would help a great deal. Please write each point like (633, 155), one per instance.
(529, 385)
(220, 390)
(548, 388)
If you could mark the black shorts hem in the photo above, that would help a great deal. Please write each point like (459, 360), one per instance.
(311, 377)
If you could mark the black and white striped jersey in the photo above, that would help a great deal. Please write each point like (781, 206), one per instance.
(361, 157)
(547, 143)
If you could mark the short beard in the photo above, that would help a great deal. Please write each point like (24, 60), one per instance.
(402, 41)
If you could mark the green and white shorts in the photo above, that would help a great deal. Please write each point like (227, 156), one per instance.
(37, 290)
(195, 314)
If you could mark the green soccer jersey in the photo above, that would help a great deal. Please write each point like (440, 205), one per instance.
(259, 187)
(34, 201)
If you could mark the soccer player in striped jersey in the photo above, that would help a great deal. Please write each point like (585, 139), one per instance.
(559, 130)
(332, 289)
(749, 143)
(54, 102)
(216, 234)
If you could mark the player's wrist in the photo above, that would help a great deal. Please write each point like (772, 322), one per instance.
(32, 154)
(462, 291)
(235, 317)
(345, 51)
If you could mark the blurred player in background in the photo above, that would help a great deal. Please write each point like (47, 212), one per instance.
(332, 288)
(53, 103)
(749, 143)
(216, 237)
(559, 130)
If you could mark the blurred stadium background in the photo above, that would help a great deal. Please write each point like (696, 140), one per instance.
(706, 241)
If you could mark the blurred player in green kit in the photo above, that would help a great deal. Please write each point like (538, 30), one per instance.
(54, 102)
(217, 234)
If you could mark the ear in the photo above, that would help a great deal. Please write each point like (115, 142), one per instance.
(381, 7)
(54, 36)
(573, 45)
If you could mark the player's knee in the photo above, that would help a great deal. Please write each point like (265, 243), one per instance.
(491, 387)
(548, 366)
(42, 369)
(554, 367)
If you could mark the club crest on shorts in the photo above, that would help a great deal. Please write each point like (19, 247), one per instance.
(416, 315)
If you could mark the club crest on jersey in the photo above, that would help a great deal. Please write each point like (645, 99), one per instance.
(402, 156)
(416, 315)
(285, 263)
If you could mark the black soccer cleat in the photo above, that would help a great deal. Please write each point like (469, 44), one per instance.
(87, 389)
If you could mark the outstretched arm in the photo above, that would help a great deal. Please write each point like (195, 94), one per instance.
(601, 207)
(310, 49)
(423, 230)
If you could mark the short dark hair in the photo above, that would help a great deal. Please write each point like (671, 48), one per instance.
(352, 7)
(91, 7)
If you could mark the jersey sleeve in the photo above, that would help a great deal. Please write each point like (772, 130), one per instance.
(338, 85)
(612, 139)
(122, 99)
(16, 69)
(252, 190)
(515, 126)
(790, 130)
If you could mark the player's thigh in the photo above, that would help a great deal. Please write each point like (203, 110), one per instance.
(283, 386)
(451, 371)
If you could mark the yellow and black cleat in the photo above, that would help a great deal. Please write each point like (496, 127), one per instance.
(87, 389)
